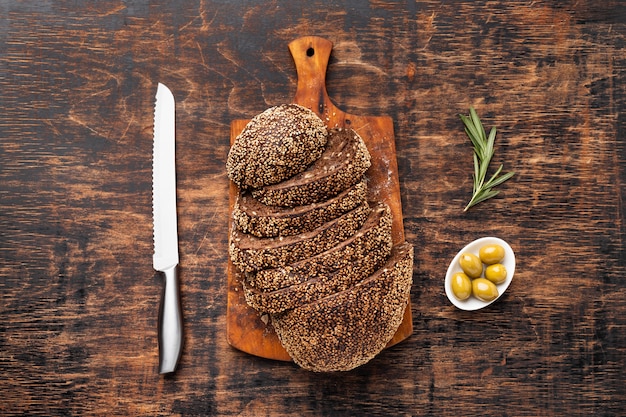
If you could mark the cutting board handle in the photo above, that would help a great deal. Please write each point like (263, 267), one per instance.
(311, 55)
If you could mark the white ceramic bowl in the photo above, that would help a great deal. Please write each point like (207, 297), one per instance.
(473, 303)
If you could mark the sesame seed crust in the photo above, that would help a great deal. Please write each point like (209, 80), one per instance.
(318, 287)
(250, 253)
(374, 235)
(348, 328)
(252, 216)
(342, 164)
(275, 145)
(322, 284)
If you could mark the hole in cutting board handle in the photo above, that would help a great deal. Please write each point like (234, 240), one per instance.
(310, 52)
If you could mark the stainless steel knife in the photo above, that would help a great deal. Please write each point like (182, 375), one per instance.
(165, 257)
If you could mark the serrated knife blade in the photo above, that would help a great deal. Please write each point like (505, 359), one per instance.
(165, 257)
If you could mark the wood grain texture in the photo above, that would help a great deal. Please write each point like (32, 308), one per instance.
(246, 329)
(79, 297)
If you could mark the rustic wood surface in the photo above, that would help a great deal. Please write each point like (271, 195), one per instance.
(78, 313)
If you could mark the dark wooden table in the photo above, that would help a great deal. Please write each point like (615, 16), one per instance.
(79, 297)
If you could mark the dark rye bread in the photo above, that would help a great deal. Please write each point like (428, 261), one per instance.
(348, 328)
(254, 217)
(250, 253)
(318, 287)
(342, 164)
(373, 236)
(275, 145)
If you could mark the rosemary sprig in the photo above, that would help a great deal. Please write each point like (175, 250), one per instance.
(483, 152)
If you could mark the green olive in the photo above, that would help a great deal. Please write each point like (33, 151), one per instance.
(491, 254)
(496, 273)
(471, 265)
(461, 286)
(484, 290)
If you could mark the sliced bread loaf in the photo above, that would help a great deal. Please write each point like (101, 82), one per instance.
(347, 329)
(258, 219)
(315, 288)
(341, 165)
(373, 236)
(250, 253)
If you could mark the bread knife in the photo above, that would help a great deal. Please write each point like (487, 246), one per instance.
(165, 257)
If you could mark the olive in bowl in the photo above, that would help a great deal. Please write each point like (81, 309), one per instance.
(498, 274)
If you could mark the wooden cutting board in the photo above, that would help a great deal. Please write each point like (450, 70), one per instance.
(246, 329)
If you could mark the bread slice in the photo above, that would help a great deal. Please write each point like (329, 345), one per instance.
(377, 228)
(347, 329)
(250, 253)
(342, 165)
(317, 287)
(275, 145)
(373, 236)
(254, 217)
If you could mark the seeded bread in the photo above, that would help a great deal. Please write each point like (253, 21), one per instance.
(342, 165)
(320, 286)
(275, 145)
(347, 329)
(250, 253)
(373, 236)
(254, 217)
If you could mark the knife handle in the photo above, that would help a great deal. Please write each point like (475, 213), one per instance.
(170, 323)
